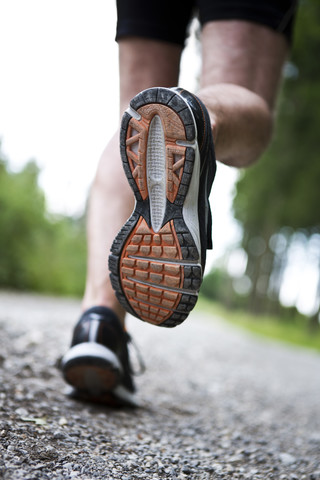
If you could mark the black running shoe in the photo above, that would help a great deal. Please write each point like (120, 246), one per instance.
(158, 258)
(97, 364)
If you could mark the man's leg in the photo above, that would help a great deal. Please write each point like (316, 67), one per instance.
(242, 64)
(97, 365)
(143, 64)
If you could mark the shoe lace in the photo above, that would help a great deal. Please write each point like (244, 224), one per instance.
(137, 353)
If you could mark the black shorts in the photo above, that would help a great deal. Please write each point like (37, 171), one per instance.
(168, 20)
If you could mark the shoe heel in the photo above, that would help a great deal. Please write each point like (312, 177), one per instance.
(92, 368)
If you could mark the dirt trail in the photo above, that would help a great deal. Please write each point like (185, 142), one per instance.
(216, 404)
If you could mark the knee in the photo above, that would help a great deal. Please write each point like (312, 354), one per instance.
(241, 120)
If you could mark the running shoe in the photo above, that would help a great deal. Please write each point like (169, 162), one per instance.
(97, 365)
(157, 259)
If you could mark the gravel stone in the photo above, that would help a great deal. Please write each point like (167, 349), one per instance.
(216, 403)
(287, 459)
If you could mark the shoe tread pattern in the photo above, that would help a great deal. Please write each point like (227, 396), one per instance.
(157, 275)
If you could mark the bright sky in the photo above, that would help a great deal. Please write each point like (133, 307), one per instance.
(59, 99)
(59, 93)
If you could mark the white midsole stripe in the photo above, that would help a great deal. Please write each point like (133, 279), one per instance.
(133, 113)
(94, 350)
(190, 206)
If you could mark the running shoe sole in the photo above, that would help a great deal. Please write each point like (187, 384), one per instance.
(155, 260)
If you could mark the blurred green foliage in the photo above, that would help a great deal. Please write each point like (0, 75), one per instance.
(277, 201)
(38, 251)
(293, 329)
(282, 189)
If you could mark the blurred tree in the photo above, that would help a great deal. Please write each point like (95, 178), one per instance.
(217, 286)
(37, 251)
(282, 189)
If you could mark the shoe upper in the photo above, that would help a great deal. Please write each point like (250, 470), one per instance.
(101, 325)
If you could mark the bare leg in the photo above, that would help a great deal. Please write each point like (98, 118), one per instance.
(143, 64)
(242, 65)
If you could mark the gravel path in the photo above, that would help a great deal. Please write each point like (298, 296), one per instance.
(216, 404)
